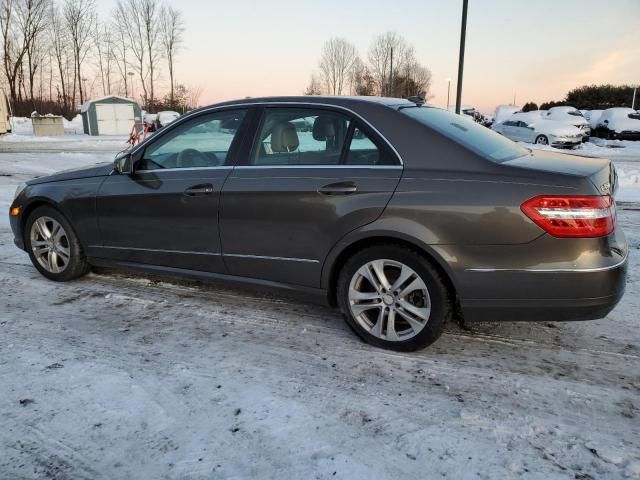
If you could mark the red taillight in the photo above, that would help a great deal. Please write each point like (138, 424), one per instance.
(572, 216)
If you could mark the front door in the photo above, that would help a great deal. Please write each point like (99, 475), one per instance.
(314, 175)
(166, 212)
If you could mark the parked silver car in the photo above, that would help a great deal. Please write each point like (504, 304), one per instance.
(530, 127)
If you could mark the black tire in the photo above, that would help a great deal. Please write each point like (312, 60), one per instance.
(442, 306)
(540, 137)
(77, 265)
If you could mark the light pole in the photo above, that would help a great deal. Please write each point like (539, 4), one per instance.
(633, 100)
(463, 34)
(448, 91)
(131, 82)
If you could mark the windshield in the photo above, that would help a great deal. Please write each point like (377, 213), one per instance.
(467, 133)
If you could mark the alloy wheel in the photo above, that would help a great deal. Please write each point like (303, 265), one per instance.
(50, 244)
(389, 300)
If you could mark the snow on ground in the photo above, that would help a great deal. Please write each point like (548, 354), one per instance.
(115, 376)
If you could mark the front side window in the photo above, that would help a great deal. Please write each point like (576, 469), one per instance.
(202, 142)
(467, 133)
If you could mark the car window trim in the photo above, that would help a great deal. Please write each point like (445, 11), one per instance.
(263, 104)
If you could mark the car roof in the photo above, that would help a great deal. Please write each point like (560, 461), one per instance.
(324, 100)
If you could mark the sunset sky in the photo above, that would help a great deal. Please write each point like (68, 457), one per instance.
(537, 50)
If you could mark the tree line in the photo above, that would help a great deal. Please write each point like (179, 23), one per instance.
(58, 53)
(390, 69)
(591, 97)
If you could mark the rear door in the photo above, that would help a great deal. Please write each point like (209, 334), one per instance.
(313, 176)
(166, 212)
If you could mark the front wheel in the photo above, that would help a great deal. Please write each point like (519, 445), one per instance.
(392, 297)
(53, 245)
(542, 140)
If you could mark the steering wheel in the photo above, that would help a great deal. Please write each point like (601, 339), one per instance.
(190, 157)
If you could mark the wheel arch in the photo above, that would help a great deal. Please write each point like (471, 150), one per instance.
(346, 249)
(33, 205)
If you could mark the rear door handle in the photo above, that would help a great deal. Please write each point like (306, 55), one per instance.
(202, 189)
(339, 188)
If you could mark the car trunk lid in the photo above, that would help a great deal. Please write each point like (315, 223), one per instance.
(600, 171)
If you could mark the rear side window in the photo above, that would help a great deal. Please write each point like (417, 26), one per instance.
(467, 133)
(315, 137)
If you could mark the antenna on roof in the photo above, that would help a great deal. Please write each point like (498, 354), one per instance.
(418, 100)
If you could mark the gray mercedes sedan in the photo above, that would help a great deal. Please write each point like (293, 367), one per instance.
(400, 214)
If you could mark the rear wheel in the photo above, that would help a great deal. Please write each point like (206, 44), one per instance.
(393, 298)
(53, 245)
(542, 140)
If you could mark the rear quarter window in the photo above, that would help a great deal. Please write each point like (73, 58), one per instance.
(467, 133)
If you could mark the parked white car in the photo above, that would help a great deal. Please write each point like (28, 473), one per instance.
(530, 127)
(503, 112)
(570, 116)
(165, 118)
(593, 117)
(619, 123)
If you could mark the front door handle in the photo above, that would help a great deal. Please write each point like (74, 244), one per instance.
(201, 189)
(339, 188)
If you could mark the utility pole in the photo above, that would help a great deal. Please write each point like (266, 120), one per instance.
(448, 91)
(391, 76)
(633, 101)
(463, 34)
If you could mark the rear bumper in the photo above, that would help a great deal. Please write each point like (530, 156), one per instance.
(549, 279)
(551, 309)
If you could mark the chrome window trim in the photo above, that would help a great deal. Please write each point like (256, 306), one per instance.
(186, 169)
(550, 270)
(214, 108)
(340, 166)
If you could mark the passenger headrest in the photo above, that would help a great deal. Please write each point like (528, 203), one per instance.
(284, 138)
(324, 128)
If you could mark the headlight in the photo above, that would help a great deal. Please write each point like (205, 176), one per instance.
(19, 190)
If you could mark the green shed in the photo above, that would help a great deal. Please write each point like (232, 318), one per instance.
(110, 115)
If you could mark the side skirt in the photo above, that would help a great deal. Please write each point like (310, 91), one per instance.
(306, 294)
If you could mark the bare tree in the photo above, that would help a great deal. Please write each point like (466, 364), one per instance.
(105, 57)
(61, 48)
(80, 21)
(139, 20)
(194, 92)
(314, 87)
(127, 17)
(21, 22)
(149, 11)
(172, 28)
(381, 51)
(35, 16)
(120, 47)
(336, 62)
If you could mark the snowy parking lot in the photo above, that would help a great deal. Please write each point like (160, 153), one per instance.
(116, 376)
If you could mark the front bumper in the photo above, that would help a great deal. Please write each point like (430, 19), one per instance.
(566, 143)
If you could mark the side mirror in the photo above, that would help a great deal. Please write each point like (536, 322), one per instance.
(123, 164)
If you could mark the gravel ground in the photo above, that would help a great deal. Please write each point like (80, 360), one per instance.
(116, 376)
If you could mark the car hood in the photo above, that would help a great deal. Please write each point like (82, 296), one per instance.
(551, 127)
(568, 119)
(98, 170)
